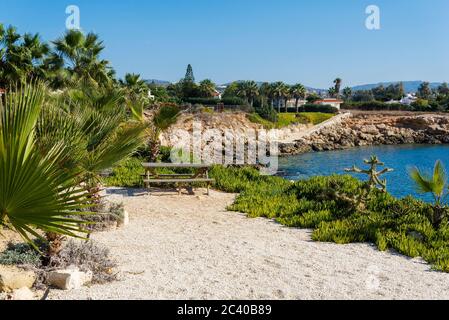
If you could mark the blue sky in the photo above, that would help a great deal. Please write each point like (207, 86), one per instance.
(311, 41)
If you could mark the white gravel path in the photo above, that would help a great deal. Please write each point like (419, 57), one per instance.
(190, 247)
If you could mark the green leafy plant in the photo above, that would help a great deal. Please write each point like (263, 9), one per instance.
(35, 191)
(374, 180)
(166, 116)
(400, 224)
(21, 254)
(96, 130)
(435, 184)
(359, 198)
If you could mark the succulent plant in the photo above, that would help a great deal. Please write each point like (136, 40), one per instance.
(374, 180)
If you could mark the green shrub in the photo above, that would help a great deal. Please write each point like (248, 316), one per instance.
(166, 116)
(318, 108)
(256, 118)
(314, 117)
(323, 203)
(227, 101)
(21, 254)
(267, 112)
(286, 119)
(127, 174)
(375, 105)
(233, 101)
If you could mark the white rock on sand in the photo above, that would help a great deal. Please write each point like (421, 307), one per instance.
(190, 247)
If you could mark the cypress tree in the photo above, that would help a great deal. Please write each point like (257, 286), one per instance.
(189, 74)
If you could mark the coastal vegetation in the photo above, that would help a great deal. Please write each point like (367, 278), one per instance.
(388, 98)
(286, 119)
(64, 120)
(69, 126)
(328, 205)
(339, 208)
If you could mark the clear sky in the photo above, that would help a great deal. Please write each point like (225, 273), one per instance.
(307, 41)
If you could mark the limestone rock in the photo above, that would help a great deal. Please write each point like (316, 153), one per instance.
(125, 220)
(23, 294)
(69, 279)
(374, 129)
(12, 278)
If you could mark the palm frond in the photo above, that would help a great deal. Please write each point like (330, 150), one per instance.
(439, 178)
(423, 183)
(35, 192)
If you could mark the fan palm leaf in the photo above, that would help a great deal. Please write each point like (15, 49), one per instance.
(434, 183)
(96, 126)
(35, 193)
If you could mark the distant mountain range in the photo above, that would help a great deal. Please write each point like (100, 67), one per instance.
(158, 82)
(409, 86)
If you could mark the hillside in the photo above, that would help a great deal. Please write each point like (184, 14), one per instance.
(409, 86)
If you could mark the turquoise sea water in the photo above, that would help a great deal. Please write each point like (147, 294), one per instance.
(400, 158)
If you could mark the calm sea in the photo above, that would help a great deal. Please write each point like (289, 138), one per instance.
(400, 158)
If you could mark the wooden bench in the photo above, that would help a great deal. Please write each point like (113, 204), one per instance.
(200, 174)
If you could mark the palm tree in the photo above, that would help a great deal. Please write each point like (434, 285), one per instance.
(11, 57)
(252, 91)
(443, 89)
(21, 57)
(332, 93)
(286, 95)
(436, 185)
(279, 91)
(37, 52)
(241, 91)
(35, 192)
(337, 87)
(95, 125)
(207, 88)
(424, 90)
(298, 91)
(265, 93)
(347, 93)
(136, 89)
(76, 57)
(133, 82)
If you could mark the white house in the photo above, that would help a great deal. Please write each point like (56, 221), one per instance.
(392, 102)
(291, 103)
(150, 96)
(408, 99)
(336, 103)
(216, 94)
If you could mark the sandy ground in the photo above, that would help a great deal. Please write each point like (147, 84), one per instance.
(190, 247)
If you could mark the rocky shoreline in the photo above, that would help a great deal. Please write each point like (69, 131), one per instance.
(365, 129)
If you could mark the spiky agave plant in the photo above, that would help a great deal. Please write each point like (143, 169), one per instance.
(435, 184)
(36, 193)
